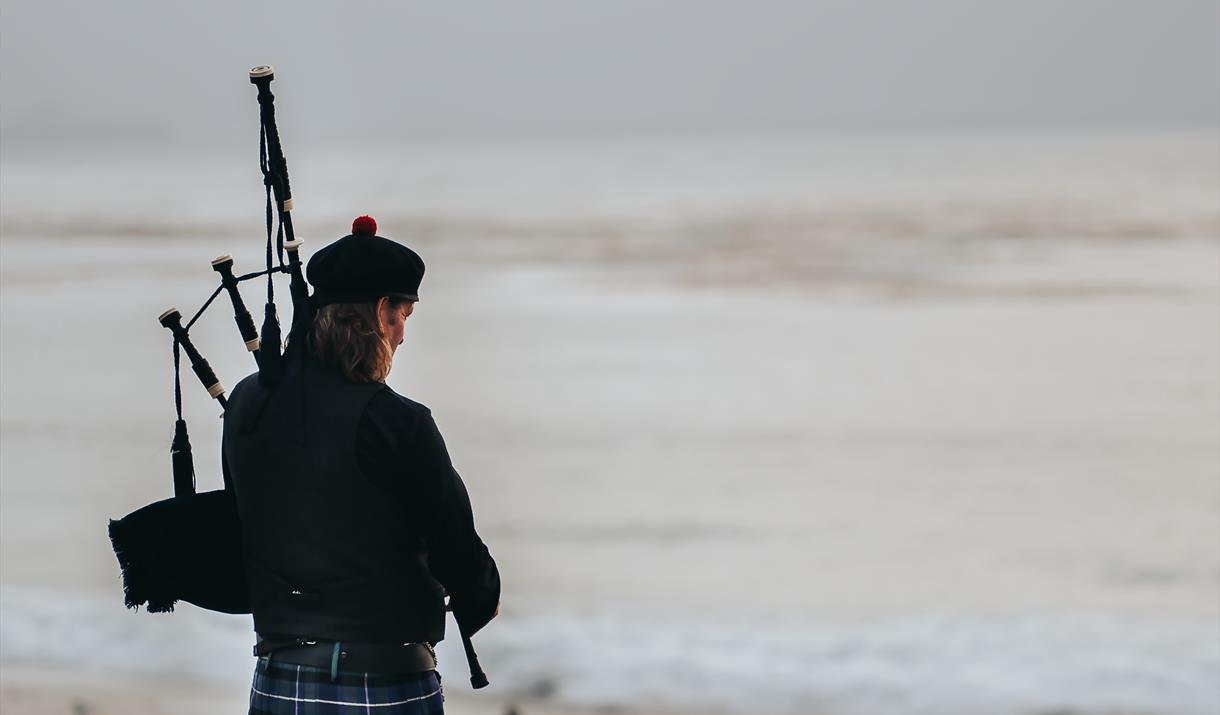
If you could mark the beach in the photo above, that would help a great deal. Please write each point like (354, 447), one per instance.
(816, 425)
(43, 692)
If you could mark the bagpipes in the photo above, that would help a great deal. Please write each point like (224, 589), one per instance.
(188, 547)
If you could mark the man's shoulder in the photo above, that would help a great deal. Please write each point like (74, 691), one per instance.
(246, 385)
(390, 404)
(244, 382)
(393, 418)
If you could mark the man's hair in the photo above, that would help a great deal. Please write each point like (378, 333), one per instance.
(347, 336)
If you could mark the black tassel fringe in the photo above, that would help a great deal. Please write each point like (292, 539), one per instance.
(135, 587)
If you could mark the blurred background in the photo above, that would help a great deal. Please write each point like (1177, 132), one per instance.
(801, 358)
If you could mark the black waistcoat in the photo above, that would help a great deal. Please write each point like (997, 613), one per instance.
(328, 554)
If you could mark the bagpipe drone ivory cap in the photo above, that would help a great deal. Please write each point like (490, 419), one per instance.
(362, 267)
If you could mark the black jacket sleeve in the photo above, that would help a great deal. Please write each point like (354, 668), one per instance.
(457, 556)
(401, 446)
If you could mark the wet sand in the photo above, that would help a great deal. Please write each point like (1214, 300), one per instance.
(47, 691)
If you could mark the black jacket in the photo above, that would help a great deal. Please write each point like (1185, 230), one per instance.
(354, 523)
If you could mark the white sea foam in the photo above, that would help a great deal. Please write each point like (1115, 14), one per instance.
(907, 666)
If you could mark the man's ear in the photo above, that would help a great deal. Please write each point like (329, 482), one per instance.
(383, 306)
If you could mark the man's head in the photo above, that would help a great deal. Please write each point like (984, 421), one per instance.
(360, 338)
(365, 287)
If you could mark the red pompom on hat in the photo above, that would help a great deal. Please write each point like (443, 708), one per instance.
(362, 267)
(364, 225)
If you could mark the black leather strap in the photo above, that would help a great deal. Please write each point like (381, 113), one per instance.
(365, 657)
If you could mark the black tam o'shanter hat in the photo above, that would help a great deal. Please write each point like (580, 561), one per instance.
(362, 267)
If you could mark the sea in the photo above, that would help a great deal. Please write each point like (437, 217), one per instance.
(852, 423)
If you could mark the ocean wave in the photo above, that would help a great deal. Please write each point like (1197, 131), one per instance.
(893, 253)
(901, 666)
(740, 226)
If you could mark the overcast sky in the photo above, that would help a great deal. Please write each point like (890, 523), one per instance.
(152, 70)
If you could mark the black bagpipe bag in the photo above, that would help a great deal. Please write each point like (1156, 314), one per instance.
(185, 548)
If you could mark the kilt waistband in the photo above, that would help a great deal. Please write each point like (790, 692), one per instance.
(344, 655)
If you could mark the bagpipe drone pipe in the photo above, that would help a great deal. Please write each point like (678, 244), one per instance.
(188, 547)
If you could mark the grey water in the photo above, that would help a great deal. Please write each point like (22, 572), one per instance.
(839, 423)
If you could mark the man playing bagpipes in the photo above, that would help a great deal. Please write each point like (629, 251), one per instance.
(342, 525)
(352, 514)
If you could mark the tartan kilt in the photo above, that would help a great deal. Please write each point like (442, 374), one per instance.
(287, 689)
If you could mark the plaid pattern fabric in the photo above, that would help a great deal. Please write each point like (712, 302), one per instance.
(287, 689)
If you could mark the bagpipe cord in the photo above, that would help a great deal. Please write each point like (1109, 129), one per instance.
(269, 354)
(274, 227)
(181, 460)
(177, 380)
(267, 180)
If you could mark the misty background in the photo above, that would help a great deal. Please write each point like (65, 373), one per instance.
(816, 358)
(150, 73)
